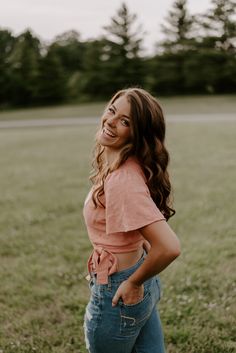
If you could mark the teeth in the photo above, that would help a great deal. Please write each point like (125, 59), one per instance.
(108, 132)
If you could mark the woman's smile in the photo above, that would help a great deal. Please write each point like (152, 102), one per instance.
(116, 131)
(108, 133)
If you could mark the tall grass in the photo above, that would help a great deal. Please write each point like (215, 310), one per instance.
(44, 245)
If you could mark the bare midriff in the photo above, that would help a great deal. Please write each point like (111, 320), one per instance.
(129, 259)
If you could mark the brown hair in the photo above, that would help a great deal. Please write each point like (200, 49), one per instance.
(147, 145)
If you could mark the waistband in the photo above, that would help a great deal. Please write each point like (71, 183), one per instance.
(124, 274)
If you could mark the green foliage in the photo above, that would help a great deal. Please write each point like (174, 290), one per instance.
(167, 73)
(51, 81)
(197, 55)
(205, 64)
(70, 50)
(7, 42)
(24, 69)
(216, 72)
(93, 80)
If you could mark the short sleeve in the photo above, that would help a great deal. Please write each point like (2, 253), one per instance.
(129, 205)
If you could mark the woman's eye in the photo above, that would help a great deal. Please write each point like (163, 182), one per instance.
(125, 122)
(111, 110)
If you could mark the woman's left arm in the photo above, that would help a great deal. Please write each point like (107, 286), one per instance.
(164, 248)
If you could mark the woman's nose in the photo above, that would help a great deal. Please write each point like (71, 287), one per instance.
(112, 120)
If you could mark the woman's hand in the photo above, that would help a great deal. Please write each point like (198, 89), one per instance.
(129, 292)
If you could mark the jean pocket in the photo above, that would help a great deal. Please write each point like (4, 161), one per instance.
(133, 316)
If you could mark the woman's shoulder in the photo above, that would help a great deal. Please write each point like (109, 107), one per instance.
(132, 165)
(129, 170)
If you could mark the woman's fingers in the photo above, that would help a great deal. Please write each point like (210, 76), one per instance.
(129, 293)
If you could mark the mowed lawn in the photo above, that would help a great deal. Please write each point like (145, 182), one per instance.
(44, 245)
(198, 104)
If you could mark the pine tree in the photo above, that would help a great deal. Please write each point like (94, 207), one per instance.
(178, 28)
(122, 52)
(120, 32)
(167, 74)
(219, 26)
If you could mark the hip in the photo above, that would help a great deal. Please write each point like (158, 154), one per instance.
(152, 286)
(128, 317)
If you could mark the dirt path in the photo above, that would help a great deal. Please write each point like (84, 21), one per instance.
(193, 118)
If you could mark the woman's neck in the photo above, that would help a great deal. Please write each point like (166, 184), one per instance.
(110, 156)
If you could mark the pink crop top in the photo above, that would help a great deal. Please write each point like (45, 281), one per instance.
(115, 228)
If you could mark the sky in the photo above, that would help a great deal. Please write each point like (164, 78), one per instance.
(48, 18)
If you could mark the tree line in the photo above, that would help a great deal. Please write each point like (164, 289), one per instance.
(196, 56)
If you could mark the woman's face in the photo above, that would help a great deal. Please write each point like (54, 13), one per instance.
(116, 121)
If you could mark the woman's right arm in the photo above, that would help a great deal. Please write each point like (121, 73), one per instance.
(164, 248)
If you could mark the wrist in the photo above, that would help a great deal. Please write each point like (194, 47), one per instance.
(135, 282)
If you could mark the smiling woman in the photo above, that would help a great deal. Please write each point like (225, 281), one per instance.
(116, 131)
(125, 214)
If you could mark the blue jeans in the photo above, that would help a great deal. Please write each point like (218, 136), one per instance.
(124, 328)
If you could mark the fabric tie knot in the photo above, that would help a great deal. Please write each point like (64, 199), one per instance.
(103, 263)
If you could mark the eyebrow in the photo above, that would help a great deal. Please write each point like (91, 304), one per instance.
(126, 116)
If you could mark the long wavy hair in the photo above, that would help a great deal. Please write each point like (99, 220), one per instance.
(147, 145)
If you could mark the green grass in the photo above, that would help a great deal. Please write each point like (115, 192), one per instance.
(172, 105)
(54, 112)
(44, 245)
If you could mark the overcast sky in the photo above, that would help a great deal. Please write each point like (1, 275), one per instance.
(48, 18)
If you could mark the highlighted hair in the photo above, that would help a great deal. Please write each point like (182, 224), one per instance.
(147, 145)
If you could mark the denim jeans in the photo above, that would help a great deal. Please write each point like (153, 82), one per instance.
(134, 328)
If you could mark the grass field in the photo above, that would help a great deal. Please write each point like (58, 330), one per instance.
(172, 105)
(44, 245)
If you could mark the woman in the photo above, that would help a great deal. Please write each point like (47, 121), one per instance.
(126, 215)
